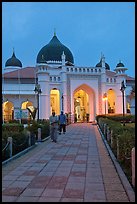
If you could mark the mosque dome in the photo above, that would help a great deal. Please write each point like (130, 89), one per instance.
(120, 64)
(13, 61)
(53, 51)
(100, 65)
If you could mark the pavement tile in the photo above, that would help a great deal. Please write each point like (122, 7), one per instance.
(48, 199)
(30, 173)
(89, 187)
(78, 173)
(12, 191)
(71, 200)
(16, 173)
(79, 162)
(25, 178)
(114, 187)
(75, 185)
(32, 192)
(10, 177)
(20, 184)
(9, 198)
(73, 193)
(76, 179)
(95, 195)
(27, 199)
(6, 183)
(57, 193)
(116, 196)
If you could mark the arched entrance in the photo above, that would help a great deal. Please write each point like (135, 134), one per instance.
(55, 101)
(111, 101)
(8, 111)
(84, 104)
(81, 106)
(25, 112)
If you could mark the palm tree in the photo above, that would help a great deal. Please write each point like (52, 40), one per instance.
(33, 113)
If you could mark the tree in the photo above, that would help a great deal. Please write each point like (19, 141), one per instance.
(33, 112)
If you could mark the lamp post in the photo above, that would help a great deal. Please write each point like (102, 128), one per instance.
(38, 92)
(105, 99)
(122, 89)
(62, 102)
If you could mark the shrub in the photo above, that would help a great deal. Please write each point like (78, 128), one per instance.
(12, 127)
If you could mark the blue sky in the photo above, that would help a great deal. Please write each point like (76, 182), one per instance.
(86, 28)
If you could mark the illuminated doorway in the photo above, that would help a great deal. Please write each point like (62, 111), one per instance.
(8, 111)
(111, 101)
(55, 101)
(81, 106)
(25, 112)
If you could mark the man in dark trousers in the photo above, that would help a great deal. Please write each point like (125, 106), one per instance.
(62, 123)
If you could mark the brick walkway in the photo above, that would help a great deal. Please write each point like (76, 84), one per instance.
(77, 168)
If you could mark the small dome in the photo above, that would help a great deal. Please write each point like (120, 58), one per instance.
(53, 51)
(120, 64)
(13, 61)
(100, 65)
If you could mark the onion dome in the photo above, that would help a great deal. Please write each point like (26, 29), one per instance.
(100, 65)
(120, 64)
(13, 62)
(53, 51)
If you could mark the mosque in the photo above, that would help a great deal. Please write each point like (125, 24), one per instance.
(56, 84)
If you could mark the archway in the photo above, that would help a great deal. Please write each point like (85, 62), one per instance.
(81, 106)
(8, 111)
(25, 112)
(55, 101)
(84, 104)
(111, 101)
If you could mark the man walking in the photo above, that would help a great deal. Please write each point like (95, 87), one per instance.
(62, 123)
(53, 119)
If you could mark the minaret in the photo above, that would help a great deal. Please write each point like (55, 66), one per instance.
(120, 69)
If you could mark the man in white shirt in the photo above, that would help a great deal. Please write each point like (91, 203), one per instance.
(53, 119)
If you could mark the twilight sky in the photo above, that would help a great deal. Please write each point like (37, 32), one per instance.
(86, 28)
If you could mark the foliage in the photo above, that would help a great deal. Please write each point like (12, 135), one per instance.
(43, 124)
(33, 113)
(19, 139)
(126, 137)
(12, 127)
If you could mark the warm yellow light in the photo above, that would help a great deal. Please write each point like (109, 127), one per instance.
(105, 97)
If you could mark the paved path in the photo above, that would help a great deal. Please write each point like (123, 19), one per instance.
(77, 168)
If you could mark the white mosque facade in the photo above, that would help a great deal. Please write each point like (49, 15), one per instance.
(61, 85)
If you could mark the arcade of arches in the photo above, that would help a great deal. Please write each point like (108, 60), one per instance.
(83, 104)
(8, 110)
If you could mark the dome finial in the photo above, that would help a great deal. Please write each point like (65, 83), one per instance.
(13, 52)
(54, 31)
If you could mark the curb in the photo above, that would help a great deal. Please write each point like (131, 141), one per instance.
(127, 186)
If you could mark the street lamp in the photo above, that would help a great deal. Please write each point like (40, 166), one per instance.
(105, 99)
(38, 91)
(122, 89)
(62, 102)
